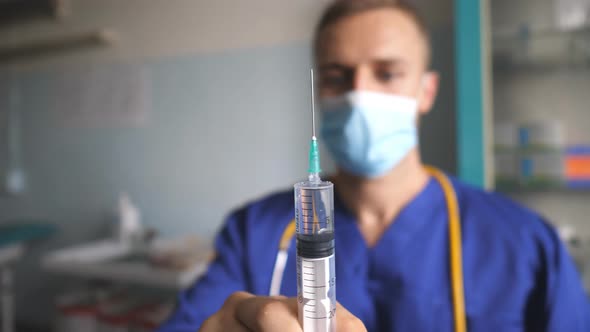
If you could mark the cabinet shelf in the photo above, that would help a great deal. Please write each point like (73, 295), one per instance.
(539, 187)
(541, 49)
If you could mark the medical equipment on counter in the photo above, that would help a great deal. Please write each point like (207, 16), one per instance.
(129, 227)
(314, 216)
(116, 261)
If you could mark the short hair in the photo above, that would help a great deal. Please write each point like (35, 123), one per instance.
(341, 9)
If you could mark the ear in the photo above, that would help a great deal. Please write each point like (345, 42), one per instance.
(429, 90)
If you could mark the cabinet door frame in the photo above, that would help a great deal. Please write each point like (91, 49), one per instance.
(474, 102)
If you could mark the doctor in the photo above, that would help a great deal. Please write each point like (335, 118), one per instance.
(416, 251)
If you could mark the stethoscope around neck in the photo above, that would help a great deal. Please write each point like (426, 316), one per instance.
(455, 255)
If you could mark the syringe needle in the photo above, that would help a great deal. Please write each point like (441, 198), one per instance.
(312, 105)
(314, 155)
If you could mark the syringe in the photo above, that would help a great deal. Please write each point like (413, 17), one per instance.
(316, 277)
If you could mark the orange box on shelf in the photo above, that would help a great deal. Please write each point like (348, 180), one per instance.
(577, 167)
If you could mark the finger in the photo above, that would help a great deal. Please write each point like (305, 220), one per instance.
(347, 322)
(263, 314)
(212, 324)
(225, 319)
(234, 299)
(292, 304)
(229, 318)
(217, 323)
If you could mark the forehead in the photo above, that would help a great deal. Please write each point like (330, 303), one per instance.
(380, 34)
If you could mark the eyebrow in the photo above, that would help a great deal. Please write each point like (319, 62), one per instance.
(389, 62)
(378, 61)
(333, 66)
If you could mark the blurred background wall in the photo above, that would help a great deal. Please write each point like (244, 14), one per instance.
(212, 111)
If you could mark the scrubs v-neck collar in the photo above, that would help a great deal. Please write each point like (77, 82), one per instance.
(411, 219)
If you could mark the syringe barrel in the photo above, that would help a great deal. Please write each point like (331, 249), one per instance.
(314, 217)
(316, 274)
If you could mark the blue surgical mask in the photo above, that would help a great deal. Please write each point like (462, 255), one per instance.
(369, 133)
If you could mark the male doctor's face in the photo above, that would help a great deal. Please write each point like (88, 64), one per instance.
(381, 50)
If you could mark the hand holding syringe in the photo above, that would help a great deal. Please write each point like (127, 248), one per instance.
(245, 312)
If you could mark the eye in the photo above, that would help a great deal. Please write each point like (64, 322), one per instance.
(385, 75)
(335, 79)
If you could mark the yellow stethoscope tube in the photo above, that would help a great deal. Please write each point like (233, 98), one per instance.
(455, 251)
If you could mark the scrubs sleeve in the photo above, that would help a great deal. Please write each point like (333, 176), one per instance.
(566, 305)
(225, 275)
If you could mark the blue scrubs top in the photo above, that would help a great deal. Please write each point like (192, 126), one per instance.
(517, 274)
